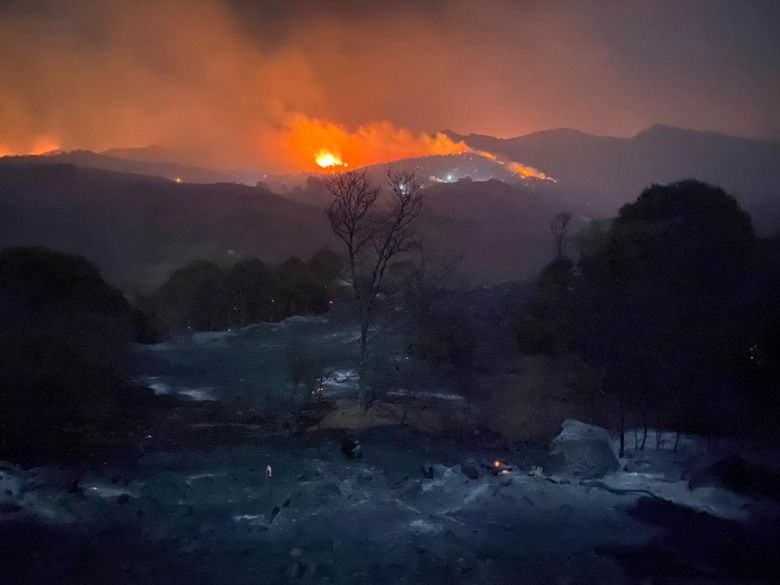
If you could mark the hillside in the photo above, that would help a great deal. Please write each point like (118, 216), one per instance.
(125, 161)
(615, 170)
(500, 230)
(138, 229)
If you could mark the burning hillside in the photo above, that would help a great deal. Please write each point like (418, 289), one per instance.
(314, 144)
(305, 144)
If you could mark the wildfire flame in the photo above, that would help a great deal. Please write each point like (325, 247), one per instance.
(329, 145)
(41, 145)
(326, 159)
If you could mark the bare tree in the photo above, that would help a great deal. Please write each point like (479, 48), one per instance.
(559, 227)
(372, 233)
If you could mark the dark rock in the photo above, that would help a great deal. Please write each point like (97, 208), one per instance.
(427, 470)
(739, 475)
(581, 450)
(470, 470)
(350, 446)
(274, 514)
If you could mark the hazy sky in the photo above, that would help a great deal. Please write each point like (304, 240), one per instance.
(224, 78)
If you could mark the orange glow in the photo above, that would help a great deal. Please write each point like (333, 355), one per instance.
(497, 463)
(516, 168)
(41, 145)
(327, 159)
(527, 172)
(45, 144)
(329, 145)
(305, 140)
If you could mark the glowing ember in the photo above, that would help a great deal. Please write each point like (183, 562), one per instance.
(497, 463)
(327, 159)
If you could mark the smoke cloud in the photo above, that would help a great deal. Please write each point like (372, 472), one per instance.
(234, 83)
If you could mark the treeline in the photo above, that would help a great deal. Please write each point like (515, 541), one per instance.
(676, 306)
(64, 340)
(65, 337)
(206, 297)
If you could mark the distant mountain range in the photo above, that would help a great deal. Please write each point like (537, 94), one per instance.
(137, 223)
(611, 171)
(126, 161)
(138, 229)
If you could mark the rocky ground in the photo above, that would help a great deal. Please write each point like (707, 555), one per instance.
(413, 509)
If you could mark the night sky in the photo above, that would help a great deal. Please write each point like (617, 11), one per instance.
(236, 82)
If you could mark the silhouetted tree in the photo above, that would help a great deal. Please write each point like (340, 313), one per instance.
(325, 266)
(372, 234)
(192, 297)
(247, 290)
(64, 337)
(298, 291)
(657, 304)
(546, 318)
(559, 227)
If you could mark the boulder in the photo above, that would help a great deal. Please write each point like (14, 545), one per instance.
(735, 473)
(351, 447)
(581, 450)
(470, 470)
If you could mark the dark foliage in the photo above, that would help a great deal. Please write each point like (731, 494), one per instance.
(546, 319)
(204, 296)
(63, 339)
(674, 305)
(325, 266)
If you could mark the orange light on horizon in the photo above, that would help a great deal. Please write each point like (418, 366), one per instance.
(305, 140)
(39, 146)
(45, 144)
(327, 159)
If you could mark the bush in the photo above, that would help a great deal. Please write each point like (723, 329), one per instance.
(205, 297)
(64, 335)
